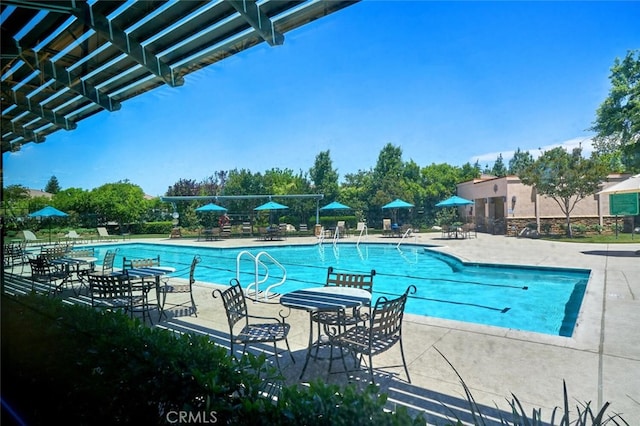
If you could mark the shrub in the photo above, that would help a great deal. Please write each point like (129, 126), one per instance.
(80, 366)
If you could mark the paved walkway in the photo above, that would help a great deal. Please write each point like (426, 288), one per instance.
(600, 363)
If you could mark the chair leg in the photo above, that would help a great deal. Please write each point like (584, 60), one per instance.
(404, 362)
(193, 303)
(286, 341)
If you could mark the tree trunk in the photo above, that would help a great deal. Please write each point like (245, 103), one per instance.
(569, 232)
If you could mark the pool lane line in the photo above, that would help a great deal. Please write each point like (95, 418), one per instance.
(491, 308)
(456, 281)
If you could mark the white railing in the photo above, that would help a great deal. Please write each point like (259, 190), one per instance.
(364, 231)
(406, 233)
(257, 264)
(336, 236)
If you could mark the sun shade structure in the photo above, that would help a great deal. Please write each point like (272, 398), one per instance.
(397, 204)
(335, 206)
(48, 211)
(627, 186)
(454, 201)
(211, 208)
(65, 61)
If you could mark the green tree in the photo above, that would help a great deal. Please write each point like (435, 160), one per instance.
(324, 177)
(52, 187)
(499, 168)
(469, 172)
(122, 202)
(519, 162)
(565, 177)
(618, 118)
(15, 204)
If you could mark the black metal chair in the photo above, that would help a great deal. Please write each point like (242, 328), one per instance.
(115, 292)
(181, 289)
(272, 331)
(333, 321)
(381, 333)
(45, 272)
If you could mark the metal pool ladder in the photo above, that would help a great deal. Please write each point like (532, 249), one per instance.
(257, 263)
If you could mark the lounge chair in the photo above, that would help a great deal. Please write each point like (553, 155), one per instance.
(303, 229)
(30, 237)
(386, 228)
(341, 229)
(72, 235)
(103, 234)
(247, 229)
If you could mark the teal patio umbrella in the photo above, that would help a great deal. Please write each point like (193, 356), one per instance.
(270, 206)
(454, 201)
(395, 205)
(211, 208)
(335, 206)
(207, 208)
(49, 212)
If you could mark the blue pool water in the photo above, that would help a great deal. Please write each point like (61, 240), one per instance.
(543, 300)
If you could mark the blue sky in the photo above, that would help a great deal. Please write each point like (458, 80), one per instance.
(448, 82)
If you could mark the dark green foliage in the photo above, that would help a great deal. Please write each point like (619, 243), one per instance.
(74, 365)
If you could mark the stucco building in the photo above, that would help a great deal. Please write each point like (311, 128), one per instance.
(504, 205)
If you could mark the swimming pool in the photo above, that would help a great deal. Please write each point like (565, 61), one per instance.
(538, 299)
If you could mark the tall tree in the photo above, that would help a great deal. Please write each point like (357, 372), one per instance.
(618, 117)
(52, 186)
(565, 177)
(122, 202)
(519, 162)
(499, 168)
(324, 176)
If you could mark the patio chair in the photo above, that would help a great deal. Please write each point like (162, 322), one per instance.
(56, 252)
(303, 229)
(103, 234)
(106, 268)
(181, 289)
(379, 334)
(386, 228)
(30, 237)
(115, 292)
(334, 321)
(267, 330)
(247, 229)
(341, 229)
(72, 235)
(45, 272)
(14, 254)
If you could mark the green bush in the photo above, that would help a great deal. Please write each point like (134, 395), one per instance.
(164, 227)
(81, 366)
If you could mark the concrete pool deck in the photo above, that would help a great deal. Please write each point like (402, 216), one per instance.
(600, 362)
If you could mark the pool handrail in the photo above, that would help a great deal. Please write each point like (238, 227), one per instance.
(257, 262)
(256, 282)
(406, 233)
(366, 233)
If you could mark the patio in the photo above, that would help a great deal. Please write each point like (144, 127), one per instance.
(600, 363)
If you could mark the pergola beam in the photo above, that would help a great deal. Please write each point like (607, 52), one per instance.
(252, 13)
(72, 80)
(23, 104)
(106, 29)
